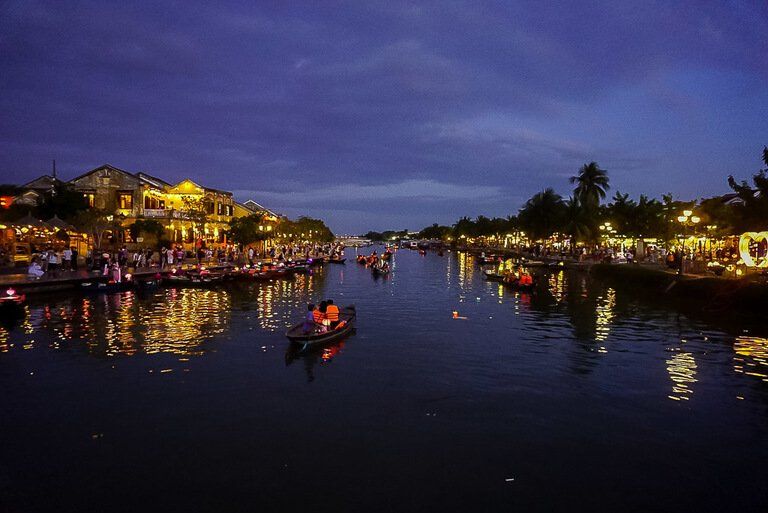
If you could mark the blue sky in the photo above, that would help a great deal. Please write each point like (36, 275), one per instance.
(388, 114)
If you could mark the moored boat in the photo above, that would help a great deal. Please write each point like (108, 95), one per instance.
(106, 286)
(12, 303)
(193, 279)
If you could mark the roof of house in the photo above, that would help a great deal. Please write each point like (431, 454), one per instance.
(43, 182)
(256, 207)
(153, 181)
(104, 166)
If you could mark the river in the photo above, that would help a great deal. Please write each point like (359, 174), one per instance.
(577, 398)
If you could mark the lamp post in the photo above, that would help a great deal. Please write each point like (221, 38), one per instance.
(686, 220)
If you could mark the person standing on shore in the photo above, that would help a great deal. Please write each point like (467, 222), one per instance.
(74, 258)
(66, 259)
(53, 262)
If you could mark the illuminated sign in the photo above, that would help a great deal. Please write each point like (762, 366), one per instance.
(745, 241)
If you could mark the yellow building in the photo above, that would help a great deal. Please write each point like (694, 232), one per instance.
(188, 211)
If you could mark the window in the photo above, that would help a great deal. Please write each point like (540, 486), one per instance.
(147, 202)
(209, 207)
(90, 198)
(125, 200)
(161, 204)
(218, 211)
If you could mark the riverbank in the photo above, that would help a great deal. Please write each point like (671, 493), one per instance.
(701, 294)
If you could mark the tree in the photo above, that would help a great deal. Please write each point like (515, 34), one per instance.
(151, 230)
(543, 214)
(97, 223)
(245, 230)
(591, 185)
(306, 228)
(577, 221)
(195, 210)
(435, 232)
(63, 201)
(752, 214)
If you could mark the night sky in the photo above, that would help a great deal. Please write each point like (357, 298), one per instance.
(388, 115)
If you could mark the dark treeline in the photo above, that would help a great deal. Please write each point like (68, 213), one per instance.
(580, 216)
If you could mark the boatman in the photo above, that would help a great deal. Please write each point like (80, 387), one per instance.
(332, 313)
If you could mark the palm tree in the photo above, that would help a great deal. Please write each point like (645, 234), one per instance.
(591, 184)
(542, 215)
(577, 221)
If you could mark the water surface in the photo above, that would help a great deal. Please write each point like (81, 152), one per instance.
(577, 398)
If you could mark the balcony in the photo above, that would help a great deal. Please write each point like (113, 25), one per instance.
(164, 213)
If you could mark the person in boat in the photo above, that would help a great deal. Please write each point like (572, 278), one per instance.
(525, 279)
(332, 314)
(318, 316)
(309, 320)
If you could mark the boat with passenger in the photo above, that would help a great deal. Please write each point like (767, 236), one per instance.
(315, 333)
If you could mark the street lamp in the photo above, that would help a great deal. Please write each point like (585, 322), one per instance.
(687, 220)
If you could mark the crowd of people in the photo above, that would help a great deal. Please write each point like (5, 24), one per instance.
(57, 262)
(53, 261)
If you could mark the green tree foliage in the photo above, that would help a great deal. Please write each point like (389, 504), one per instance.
(543, 214)
(386, 235)
(753, 213)
(62, 201)
(436, 232)
(196, 210)
(312, 229)
(483, 226)
(150, 230)
(577, 221)
(591, 185)
(245, 230)
(97, 223)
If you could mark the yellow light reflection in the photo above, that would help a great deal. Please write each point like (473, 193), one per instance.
(681, 368)
(751, 357)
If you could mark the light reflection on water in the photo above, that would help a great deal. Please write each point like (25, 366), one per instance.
(561, 375)
(682, 371)
(751, 357)
(184, 321)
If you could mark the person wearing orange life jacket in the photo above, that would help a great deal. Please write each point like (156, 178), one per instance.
(332, 313)
(526, 280)
(318, 314)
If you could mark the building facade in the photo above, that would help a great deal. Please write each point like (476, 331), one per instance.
(191, 214)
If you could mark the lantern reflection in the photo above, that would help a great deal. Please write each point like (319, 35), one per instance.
(681, 368)
(751, 358)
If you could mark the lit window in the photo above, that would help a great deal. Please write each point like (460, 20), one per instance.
(125, 200)
(90, 198)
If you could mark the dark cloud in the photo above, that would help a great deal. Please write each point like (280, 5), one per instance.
(466, 107)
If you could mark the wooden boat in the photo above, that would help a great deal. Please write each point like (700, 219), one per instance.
(193, 279)
(346, 314)
(387, 255)
(149, 283)
(12, 303)
(106, 287)
(377, 271)
(491, 275)
(517, 286)
(361, 259)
